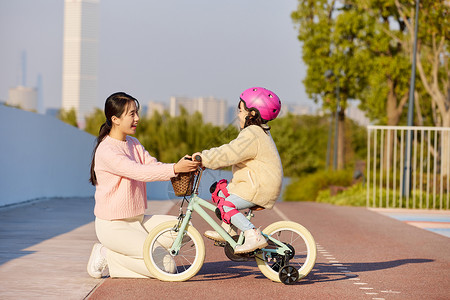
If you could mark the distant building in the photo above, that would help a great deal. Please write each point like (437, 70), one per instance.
(296, 109)
(190, 104)
(213, 110)
(52, 112)
(80, 56)
(153, 107)
(23, 97)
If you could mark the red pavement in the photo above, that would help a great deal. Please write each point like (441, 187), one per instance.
(362, 255)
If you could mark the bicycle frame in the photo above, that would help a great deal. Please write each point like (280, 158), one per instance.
(197, 204)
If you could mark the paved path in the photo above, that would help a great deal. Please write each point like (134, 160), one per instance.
(437, 221)
(362, 255)
(45, 245)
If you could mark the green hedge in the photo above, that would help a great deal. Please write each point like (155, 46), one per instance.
(307, 188)
(354, 195)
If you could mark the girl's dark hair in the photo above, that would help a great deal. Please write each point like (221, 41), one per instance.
(115, 105)
(255, 119)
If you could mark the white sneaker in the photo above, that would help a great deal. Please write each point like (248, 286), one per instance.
(164, 260)
(97, 263)
(214, 235)
(253, 240)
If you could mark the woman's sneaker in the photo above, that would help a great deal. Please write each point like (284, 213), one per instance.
(97, 263)
(164, 260)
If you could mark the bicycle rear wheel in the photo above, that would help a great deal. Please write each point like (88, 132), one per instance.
(299, 240)
(162, 264)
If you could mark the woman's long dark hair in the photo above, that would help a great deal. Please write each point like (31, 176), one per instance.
(254, 119)
(115, 105)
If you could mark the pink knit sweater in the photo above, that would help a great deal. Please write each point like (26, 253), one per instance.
(122, 169)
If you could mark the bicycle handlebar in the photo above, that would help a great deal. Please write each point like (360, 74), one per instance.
(197, 158)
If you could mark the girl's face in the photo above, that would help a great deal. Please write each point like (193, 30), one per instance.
(128, 121)
(242, 114)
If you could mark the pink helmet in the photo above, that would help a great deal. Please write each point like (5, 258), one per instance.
(266, 102)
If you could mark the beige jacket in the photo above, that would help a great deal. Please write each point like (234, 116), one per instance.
(257, 170)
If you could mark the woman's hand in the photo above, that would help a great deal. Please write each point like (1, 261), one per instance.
(185, 165)
(199, 155)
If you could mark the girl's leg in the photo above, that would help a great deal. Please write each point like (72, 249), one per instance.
(239, 220)
(253, 237)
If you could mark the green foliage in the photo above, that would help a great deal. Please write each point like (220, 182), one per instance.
(368, 43)
(355, 195)
(68, 116)
(306, 188)
(170, 138)
(94, 121)
(301, 140)
(302, 143)
(418, 199)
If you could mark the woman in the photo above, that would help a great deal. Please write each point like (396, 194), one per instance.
(120, 169)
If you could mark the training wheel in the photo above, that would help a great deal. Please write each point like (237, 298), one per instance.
(288, 275)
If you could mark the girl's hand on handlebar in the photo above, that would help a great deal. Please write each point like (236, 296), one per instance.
(185, 165)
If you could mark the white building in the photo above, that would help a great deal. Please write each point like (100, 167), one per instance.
(295, 109)
(213, 110)
(23, 97)
(153, 107)
(80, 56)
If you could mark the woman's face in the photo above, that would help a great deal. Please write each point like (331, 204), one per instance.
(129, 119)
(242, 114)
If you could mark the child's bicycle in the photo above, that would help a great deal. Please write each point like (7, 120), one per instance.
(175, 251)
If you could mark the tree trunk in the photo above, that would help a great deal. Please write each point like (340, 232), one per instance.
(341, 140)
(393, 111)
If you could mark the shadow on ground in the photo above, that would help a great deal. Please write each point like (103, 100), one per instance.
(225, 270)
(25, 225)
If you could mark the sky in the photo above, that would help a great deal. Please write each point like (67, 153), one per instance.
(157, 49)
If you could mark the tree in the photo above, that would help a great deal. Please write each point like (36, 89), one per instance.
(373, 39)
(432, 53)
(432, 58)
(94, 121)
(170, 138)
(302, 143)
(68, 116)
(329, 35)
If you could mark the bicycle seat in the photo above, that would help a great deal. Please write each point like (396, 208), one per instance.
(257, 208)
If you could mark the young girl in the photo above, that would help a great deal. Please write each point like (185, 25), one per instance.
(120, 169)
(256, 166)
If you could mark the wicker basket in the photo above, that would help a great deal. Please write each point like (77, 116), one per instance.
(182, 184)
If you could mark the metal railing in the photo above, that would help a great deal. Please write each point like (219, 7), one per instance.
(408, 167)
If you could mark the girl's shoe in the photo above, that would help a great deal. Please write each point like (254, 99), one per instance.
(214, 235)
(97, 263)
(253, 240)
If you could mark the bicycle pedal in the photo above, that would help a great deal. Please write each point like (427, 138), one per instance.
(219, 244)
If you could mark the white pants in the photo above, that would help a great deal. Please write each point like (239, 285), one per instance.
(124, 240)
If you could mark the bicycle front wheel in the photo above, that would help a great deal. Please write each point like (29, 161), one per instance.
(297, 238)
(162, 264)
